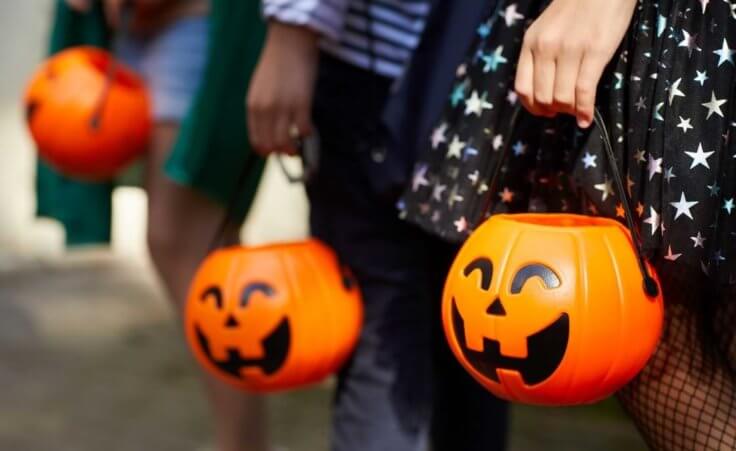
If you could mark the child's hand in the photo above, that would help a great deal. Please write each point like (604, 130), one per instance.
(565, 52)
(280, 96)
(81, 6)
(113, 9)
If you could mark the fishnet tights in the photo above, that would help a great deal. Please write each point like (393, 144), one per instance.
(685, 399)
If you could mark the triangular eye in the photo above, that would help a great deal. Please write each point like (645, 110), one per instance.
(213, 292)
(549, 278)
(485, 266)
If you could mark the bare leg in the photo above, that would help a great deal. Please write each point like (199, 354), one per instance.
(685, 399)
(181, 225)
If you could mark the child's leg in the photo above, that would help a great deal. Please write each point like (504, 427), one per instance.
(181, 225)
(685, 399)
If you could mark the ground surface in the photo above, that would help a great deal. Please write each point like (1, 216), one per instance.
(92, 361)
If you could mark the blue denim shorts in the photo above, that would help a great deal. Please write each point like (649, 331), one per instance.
(171, 62)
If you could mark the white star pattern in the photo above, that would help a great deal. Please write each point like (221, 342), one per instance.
(683, 206)
(511, 15)
(675, 90)
(701, 78)
(437, 192)
(700, 158)
(728, 205)
(438, 135)
(455, 149)
(725, 54)
(689, 42)
(606, 189)
(476, 104)
(654, 166)
(498, 142)
(653, 220)
(685, 124)
(420, 178)
(698, 240)
(714, 106)
(667, 104)
(589, 160)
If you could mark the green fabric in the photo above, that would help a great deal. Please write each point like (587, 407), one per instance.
(84, 209)
(213, 149)
(212, 153)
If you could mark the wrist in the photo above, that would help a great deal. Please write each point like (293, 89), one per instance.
(297, 38)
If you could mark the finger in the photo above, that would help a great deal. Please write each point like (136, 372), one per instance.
(112, 12)
(524, 83)
(301, 121)
(253, 137)
(282, 139)
(566, 76)
(259, 126)
(544, 79)
(591, 69)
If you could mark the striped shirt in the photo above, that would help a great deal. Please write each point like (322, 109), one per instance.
(378, 35)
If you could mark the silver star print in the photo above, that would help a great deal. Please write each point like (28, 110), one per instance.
(654, 166)
(640, 156)
(477, 104)
(700, 158)
(437, 192)
(606, 189)
(725, 54)
(498, 142)
(641, 104)
(728, 205)
(438, 135)
(455, 149)
(589, 160)
(653, 220)
(685, 124)
(698, 240)
(714, 105)
(683, 206)
(675, 90)
(690, 42)
(714, 189)
(511, 15)
(701, 78)
(668, 174)
(473, 177)
(420, 178)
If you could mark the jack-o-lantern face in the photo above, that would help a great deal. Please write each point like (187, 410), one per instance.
(273, 317)
(550, 309)
(545, 348)
(275, 345)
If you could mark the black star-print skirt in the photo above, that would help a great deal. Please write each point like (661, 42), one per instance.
(668, 98)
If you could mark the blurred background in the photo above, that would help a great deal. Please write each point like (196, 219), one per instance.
(90, 358)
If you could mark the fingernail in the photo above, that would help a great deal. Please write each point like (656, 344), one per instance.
(583, 123)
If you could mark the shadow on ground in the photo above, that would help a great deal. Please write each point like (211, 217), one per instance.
(92, 361)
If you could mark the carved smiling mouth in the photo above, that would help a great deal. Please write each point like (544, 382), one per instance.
(275, 349)
(545, 350)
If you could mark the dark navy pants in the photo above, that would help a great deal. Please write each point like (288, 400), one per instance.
(402, 389)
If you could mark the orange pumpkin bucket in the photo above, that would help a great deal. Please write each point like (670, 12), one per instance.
(552, 309)
(88, 114)
(274, 317)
